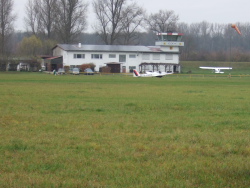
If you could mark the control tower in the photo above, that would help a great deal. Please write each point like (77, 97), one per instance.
(169, 42)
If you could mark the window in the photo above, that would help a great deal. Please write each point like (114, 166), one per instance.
(170, 37)
(79, 56)
(156, 56)
(131, 68)
(112, 55)
(122, 58)
(169, 56)
(146, 57)
(96, 56)
(132, 56)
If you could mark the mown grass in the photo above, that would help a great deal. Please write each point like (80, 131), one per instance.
(116, 131)
(239, 68)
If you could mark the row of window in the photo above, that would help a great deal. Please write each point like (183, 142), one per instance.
(114, 55)
(79, 56)
(82, 56)
(99, 56)
(144, 56)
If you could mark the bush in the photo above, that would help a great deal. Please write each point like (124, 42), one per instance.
(89, 65)
(66, 69)
(105, 69)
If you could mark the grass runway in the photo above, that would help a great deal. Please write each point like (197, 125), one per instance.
(120, 131)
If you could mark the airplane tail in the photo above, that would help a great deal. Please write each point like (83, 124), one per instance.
(136, 73)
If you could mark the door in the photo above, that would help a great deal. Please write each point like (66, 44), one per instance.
(124, 69)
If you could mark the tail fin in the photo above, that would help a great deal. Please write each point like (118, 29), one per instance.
(136, 73)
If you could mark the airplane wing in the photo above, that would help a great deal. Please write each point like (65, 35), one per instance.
(216, 69)
(213, 68)
(208, 68)
(226, 68)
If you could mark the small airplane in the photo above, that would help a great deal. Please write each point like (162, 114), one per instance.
(150, 74)
(217, 69)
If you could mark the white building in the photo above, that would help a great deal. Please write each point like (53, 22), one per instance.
(164, 56)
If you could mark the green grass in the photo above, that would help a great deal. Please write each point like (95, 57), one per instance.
(117, 131)
(239, 68)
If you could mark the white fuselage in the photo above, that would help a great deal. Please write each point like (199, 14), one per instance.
(150, 74)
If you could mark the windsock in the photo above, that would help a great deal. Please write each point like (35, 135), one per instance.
(236, 28)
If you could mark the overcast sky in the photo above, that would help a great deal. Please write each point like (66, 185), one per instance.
(189, 11)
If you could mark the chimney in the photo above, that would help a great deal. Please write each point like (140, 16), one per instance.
(79, 45)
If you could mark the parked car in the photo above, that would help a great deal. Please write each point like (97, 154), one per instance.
(76, 71)
(88, 71)
(61, 71)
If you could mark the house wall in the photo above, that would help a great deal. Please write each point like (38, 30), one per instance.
(170, 48)
(133, 60)
(58, 51)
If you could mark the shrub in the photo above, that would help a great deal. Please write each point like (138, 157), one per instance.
(66, 69)
(105, 69)
(89, 65)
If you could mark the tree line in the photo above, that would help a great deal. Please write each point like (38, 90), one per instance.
(123, 22)
(215, 42)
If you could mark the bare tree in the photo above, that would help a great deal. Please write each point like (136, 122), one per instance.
(40, 17)
(32, 20)
(189, 40)
(217, 29)
(116, 19)
(163, 21)
(109, 16)
(205, 28)
(71, 20)
(133, 18)
(46, 9)
(6, 24)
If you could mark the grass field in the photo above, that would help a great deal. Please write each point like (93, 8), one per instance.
(239, 68)
(117, 131)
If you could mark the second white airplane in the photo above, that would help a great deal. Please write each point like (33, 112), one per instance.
(217, 69)
(150, 74)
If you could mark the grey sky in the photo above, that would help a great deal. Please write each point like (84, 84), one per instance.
(189, 11)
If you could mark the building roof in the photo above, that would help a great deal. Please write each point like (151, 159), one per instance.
(108, 48)
(113, 63)
(54, 57)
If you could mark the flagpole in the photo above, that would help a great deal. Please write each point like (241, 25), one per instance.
(238, 31)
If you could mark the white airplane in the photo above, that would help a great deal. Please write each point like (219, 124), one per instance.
(217, 69)
(150, 74)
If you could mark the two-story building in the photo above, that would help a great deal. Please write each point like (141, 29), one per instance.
(121, 58)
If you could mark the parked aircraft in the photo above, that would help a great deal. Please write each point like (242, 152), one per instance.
(150, 74)
(217, 69)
